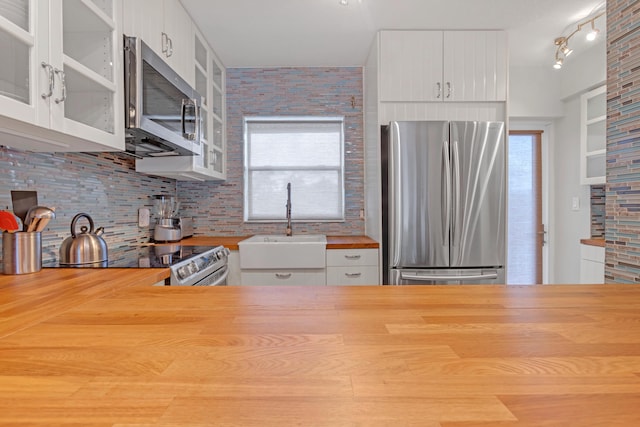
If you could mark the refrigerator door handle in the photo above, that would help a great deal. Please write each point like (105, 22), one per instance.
(395, 233)
(456, 226)
(446, 194)
(417, 277)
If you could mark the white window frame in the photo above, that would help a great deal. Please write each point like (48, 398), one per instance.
(247, 171)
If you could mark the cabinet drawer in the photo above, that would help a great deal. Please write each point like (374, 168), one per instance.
(592, 253)
(351, 257)
(283, 277)
(357, 275)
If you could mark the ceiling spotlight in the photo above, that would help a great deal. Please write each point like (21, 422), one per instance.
(566, 50)
(558, 63)
(343, 2)
(593, 33)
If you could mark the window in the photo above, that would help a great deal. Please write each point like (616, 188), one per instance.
(305, 151)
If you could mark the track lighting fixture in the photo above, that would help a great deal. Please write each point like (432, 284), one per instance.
(562, 43)
(593, 33)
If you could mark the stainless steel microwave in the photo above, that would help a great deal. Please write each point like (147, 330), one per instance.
(162, 111)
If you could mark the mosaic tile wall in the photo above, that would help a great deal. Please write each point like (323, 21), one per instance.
(217, 207)
(622, 230)
(103, 185)
(597, 210)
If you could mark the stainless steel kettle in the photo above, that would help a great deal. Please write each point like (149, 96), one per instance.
(87, 249)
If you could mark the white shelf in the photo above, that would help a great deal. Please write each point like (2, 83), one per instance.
(593, 151)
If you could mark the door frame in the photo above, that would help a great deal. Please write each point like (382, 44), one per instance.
(547, 130)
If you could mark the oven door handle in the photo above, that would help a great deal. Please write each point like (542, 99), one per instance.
(222, 278)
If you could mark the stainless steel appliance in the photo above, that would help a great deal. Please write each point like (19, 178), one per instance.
(188, 265)
(444, 202)
(186, 227)
(167, 228)
(162, 112)
(208, 268)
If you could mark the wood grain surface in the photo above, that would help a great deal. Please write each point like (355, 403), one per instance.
(333, 242)
(593, 242)
(121, 355)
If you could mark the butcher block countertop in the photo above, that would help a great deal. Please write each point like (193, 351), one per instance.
(102, 348)
(333, 242)
(593, 242)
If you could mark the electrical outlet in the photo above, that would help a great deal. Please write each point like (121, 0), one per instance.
(575, 204)
(143, 217)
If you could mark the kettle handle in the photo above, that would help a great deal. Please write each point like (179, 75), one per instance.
(75, 220)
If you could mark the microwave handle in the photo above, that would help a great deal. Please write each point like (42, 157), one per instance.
(195, 135)
(198, 126)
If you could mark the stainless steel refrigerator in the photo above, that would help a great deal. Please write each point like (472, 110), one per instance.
(444, 208)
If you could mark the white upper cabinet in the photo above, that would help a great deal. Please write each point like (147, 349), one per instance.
(61, 80)
(593, 136)
(426, 66)
(165, 26)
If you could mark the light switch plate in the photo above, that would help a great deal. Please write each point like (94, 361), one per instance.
(575, 203)
(143, 217)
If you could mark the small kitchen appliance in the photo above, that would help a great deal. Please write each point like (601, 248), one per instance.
(167, 228)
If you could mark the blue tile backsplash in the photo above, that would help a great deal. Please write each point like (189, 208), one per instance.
(103, 185)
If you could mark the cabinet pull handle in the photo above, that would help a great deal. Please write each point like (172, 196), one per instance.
(49, 70)
(439, 90)
(448, 90)
(164, 43)
(352, 256)
(64, 87)
(169, 47)
(353, 275)
(283, 276)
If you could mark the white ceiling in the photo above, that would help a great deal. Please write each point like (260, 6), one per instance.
(273, 33)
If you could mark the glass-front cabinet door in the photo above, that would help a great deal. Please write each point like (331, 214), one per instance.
(61, 71)
(86, 39)
(20, 66)
(218, 148)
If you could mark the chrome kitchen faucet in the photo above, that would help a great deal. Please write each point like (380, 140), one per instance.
(289, 231)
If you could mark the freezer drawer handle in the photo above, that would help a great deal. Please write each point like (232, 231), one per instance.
(283, 276)
(430, 277)
(352, 256)
(353, 275)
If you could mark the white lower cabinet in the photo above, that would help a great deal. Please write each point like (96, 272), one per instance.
(591, 264)
(294, 277)
(233, 264)
(352, 267)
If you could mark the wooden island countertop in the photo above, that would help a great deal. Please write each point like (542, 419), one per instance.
(103, 348)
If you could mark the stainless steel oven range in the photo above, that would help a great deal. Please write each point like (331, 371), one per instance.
(189, 265)
(207, 268)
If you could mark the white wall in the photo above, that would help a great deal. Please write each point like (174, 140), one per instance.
(533, 93)
(553, 97)
(569, 225)
(584, 71)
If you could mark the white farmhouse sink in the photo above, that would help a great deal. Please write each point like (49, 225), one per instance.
(264, 251)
